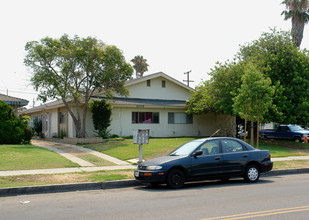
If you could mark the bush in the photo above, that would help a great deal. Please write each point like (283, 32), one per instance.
(12, 128)
(101, 117)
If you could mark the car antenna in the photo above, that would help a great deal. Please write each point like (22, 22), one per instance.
(215, 132)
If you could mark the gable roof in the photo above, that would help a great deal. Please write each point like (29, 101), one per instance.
(156, 75)
(13, 100)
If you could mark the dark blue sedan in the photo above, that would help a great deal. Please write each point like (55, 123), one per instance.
(204, 159)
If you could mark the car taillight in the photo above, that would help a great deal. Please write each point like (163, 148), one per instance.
(269, 156)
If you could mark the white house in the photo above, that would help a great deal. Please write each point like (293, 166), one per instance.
(156, 102)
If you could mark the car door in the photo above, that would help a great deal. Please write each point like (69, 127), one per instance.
(210, 163)
(235, 156)
(286, 133)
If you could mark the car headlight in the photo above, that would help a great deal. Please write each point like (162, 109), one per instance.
(154, 167)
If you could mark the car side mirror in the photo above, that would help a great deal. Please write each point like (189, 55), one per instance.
(197, 153)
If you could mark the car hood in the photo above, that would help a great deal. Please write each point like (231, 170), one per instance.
(303, 131)
(161, 160)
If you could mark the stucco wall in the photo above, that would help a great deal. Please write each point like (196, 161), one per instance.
(171, 91)
(203, 125)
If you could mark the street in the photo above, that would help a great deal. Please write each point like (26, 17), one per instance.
(277, 197)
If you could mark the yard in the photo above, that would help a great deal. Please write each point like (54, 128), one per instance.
(21, 157)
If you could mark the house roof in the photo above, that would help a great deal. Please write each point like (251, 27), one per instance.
(129, 102)
(145, 102)
(156, 75)
(13, 100)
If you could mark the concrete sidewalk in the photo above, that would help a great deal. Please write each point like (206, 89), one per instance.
(53, 147)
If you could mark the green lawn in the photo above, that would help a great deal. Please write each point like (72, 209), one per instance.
(27, 157)
(126, 150)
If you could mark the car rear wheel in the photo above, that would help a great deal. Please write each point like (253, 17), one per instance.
(175, 179)
(252, 174)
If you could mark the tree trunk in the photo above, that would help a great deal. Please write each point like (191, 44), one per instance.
(258, 128)
(245, 134)
(252, 133)
(297, 30)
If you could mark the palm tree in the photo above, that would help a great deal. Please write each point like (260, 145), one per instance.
(297, 10)
(140, 65)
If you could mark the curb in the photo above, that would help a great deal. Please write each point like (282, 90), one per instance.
(109, 185)
(68, 187)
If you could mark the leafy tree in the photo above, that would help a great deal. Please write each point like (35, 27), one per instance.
(140, 65)
(297, 11)
(12, 129)
(73, 69)
(254, 97)
(215, 95)
(275, 55)
(101, 116)
(288, 68)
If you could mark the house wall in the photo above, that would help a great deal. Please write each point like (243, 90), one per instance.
(171, 91)
(203, 125)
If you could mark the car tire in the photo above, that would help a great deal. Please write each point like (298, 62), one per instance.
(175, 179)
(252, 174)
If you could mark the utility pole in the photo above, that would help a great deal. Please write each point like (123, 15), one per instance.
(188, 77)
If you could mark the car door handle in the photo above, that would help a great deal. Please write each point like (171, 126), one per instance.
(245, 155)
(217, 158)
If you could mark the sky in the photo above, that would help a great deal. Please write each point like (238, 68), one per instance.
(175, 36)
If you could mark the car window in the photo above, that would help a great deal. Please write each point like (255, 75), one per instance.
(231, 146)
(210, 147)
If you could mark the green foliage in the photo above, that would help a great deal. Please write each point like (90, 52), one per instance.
(72, 69)
(101, 117)
(37, 125)
(288, 67)
(12, 128)
(255, 92)
(216, 94)
(275, 55)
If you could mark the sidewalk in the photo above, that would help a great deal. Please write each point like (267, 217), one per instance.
(62, 150)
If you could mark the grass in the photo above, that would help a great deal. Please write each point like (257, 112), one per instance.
(38, 180)
(27, 157)
(15, 157)
(125, 150)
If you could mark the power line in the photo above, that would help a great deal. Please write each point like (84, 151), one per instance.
(188, 78)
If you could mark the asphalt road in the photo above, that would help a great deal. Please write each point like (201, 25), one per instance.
(277, 197)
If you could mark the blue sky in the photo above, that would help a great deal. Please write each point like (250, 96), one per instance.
(174, 36)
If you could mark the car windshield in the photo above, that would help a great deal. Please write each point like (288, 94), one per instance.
(296, 128)
(186, 149)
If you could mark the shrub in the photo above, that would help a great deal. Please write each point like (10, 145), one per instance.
(101, 117)
(12, 128)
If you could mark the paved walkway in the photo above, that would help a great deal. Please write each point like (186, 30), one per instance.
(85, 165)
(63, 150)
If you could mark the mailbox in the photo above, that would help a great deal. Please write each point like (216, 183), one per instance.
(141, 136)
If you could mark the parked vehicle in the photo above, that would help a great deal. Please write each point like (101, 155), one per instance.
(208, 158)
(290, 132)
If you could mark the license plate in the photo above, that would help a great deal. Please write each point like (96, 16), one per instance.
(136, 173)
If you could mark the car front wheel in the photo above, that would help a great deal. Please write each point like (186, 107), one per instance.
(252, 174)
(175, 179)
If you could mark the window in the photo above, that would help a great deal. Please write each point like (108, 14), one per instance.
(210, 147)
(231, 146)
(179, 118)
(148, 83)
(163, 83)
(62, 117)
(145, 117)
